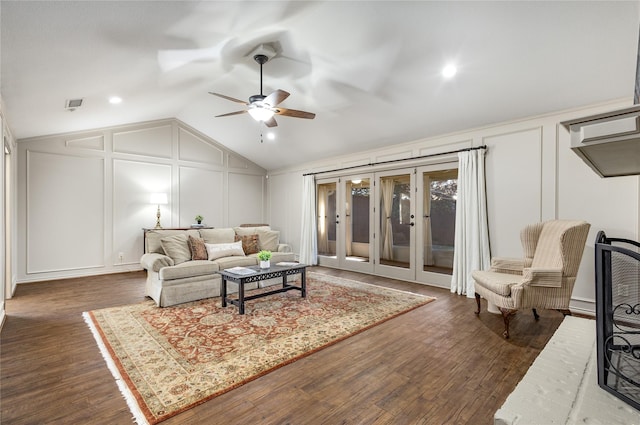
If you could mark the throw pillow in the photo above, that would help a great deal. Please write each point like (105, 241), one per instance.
(249, 243)
(176, 247)
(198, 249)
(219, 250)
(244, 231)
(224, 235)
(269, 239)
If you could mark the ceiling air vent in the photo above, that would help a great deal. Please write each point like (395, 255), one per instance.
(72, 104)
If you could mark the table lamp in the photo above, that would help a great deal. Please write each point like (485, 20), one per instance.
(158, 199)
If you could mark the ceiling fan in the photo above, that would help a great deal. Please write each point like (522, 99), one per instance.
(263, 108)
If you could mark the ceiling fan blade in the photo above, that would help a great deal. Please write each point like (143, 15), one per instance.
(295, 113)
(231, 113)
(233, 99)
(271, 122)
(276, 97)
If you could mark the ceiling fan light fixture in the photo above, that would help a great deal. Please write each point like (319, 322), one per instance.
(259, 113)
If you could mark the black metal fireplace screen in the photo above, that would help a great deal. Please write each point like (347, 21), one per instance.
(618, 317)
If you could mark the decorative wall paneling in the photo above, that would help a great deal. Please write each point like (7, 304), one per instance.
(512, 203)
(84, 197)
(64, 197)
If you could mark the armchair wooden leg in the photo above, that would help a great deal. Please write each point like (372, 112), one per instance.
(535, 314)
(478, 302)
(506, 316)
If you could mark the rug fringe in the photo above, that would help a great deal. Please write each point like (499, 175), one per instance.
(138, 416)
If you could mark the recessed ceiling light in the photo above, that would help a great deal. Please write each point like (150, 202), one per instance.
(449, 71)
(271, 136)
(114, 100)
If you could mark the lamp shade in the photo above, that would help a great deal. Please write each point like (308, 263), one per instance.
(158, 199)
(259, 113)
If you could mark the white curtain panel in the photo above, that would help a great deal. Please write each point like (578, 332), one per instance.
(387, 185)
(471, 248)
(323, 223)
(308, 235)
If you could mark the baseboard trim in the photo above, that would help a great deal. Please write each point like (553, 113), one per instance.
(3, 316)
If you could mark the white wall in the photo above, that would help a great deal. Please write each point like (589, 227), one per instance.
(84, 197)
(532, 175)
(7, 213)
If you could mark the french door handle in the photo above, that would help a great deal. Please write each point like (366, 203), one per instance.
(412, 224)
(337, 222)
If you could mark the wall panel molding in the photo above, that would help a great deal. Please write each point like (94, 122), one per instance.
(58, 218)
(196, 149)
(154, 141)
(92, 143)
(83, 197)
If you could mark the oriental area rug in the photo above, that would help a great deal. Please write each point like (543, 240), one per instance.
(167, 360)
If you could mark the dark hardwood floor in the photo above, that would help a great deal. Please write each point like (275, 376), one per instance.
(438, 364)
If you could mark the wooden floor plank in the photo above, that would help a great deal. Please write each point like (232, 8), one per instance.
(434, 365)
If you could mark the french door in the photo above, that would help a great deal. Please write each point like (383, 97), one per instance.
(435, 229)
(395, 218)
(398, 223)
(345, 227)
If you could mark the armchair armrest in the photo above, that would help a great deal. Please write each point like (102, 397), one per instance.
(543, 277)
(283, 247)
(508, 265)
(154, 261)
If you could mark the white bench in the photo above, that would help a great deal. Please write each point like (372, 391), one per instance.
(561, 386)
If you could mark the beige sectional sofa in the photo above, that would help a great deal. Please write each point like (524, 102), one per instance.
(182, 265)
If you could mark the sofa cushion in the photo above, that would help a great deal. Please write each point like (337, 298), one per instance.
(226, 235)
(176, 247)
(229, 262)
(249, 243)
(219, 250)
(152, 238)
(188, 269)
(277, 256)
(242, 231)
(198, 249)
(269, 239)
(498, 283)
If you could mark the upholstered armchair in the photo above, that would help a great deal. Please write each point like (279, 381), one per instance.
(543, 278)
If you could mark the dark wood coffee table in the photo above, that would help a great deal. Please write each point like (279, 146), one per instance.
(261, 274)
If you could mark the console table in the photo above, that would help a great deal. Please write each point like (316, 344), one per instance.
(258, 274)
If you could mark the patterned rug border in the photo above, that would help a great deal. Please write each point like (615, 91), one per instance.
(143, 416)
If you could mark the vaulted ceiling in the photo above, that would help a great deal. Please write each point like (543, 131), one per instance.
(370, 70)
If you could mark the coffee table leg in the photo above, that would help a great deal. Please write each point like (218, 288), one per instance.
(223, 291)
(241, 297)
(303, 282)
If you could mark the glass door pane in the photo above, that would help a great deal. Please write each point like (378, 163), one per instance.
(437, 190)
(358, 210)
(327, 212)
(439, 220)
(396, 221)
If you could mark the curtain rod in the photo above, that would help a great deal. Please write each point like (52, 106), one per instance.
(371, 164)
